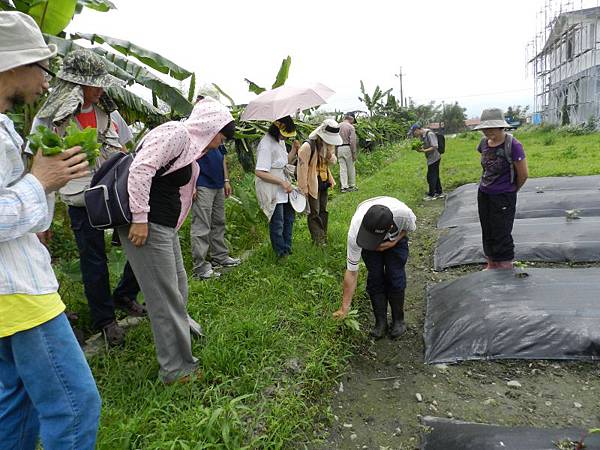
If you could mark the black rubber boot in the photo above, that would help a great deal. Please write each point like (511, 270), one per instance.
(396, 300)
(379, 304)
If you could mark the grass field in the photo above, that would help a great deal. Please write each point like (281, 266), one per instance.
(272, 355)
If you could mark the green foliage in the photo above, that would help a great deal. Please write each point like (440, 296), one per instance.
(283, 73)
(373, 101)
(52, 16)
(453, 117)
(51, 144)
(416, 144)
(549, 139)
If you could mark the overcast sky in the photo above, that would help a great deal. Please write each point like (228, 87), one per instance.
(470, 51)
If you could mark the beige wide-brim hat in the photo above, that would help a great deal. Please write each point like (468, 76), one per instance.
(21, 41)
(492, 118)
(329, 131)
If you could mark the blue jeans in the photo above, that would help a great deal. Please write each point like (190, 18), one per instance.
(94, 270)
(281, 227)
(47, 389)
(386, 273)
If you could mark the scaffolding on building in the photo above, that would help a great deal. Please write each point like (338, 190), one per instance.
(564, 56)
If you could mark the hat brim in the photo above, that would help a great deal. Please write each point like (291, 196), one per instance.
(298, 201)
(103, 81)
(328, 138)
(492, 124)
(14, 59)
(367, 240)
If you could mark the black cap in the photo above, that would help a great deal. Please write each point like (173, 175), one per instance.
(375, 226)
(228, 130)
(351, 115)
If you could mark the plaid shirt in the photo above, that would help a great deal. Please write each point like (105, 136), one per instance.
(24, 210)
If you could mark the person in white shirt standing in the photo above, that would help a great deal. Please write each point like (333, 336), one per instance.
(379, 234)
(46, 386)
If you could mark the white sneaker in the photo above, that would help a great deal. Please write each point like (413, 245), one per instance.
(440, 196)
(210, 273)
(428, 198)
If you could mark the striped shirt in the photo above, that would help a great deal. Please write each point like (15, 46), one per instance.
(24, 210)
(404, 219)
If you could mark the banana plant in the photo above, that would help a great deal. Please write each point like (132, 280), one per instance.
(280, 79)
(374, 101)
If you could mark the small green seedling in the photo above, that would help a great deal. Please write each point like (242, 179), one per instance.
(51, 144)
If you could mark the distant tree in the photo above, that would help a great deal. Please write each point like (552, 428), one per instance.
(453, 117)
(517, 112)
(373, 102)
(423, 114)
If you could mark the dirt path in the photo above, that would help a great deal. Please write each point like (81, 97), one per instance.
(376, 404)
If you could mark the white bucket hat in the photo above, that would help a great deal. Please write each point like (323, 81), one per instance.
(329, 131)
(298, 200)
(492, 118)
(21, 41)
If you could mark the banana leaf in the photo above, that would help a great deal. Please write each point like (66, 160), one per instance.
(224, 94)
(150, 58)
(283, 73)
(135, 109)
(167, 93)
(96, 5)
(253, 87)
(52, 16)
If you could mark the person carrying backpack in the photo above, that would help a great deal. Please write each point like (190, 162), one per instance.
(433, 153)
(504, 172)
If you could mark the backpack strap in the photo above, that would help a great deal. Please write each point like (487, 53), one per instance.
(504, 152)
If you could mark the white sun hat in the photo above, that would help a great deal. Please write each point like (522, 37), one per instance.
(329, 131)
(21, 41)
(298, 200)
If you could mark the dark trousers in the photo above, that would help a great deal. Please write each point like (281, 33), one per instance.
(94, 270)
(281, 227)
(318, 217)
(386, 274)
(433, 178)
(497, 215)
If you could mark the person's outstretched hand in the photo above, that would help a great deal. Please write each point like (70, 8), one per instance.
(341, 313)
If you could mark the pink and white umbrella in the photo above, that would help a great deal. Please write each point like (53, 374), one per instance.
(285, 101)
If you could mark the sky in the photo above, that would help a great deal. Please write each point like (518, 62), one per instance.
(473, 52)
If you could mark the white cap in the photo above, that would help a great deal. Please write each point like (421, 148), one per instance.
(21, 41)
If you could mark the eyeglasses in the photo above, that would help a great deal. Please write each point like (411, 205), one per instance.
(48, 73)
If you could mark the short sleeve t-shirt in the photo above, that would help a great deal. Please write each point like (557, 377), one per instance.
(272, 154)
(429, 139)
(495, 178)
(212, 174)
(87, 119)
(404, 219)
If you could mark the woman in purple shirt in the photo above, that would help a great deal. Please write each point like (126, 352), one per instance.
(504, 172)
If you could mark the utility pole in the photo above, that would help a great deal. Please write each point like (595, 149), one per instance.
(399, 76)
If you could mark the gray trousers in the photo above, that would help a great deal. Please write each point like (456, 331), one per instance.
(208, 228)
(158, 267)
(347, 170)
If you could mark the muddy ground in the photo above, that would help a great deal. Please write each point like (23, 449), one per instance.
(379, 401)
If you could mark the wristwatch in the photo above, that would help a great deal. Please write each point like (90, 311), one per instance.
(227, 180)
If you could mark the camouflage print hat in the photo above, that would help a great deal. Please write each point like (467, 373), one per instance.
(87, 69)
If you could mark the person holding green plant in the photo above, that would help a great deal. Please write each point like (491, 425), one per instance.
(430, 148)
(504, 173)
(273, 183)
(78, 101)
(46, 387)
(314, 177)
(379, 234)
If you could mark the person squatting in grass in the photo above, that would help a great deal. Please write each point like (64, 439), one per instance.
(347, 152)
(273, 183)
(46, 386)
(78, 95)
(207, 231)
(379, 233)
(314, 177)
(504, 173)
(430, 148)
(161, 183)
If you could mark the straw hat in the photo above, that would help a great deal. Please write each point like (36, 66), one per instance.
(492, 118)
(329, 131)
(21, 41)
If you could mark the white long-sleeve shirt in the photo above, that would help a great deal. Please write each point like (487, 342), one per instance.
(24, 210)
